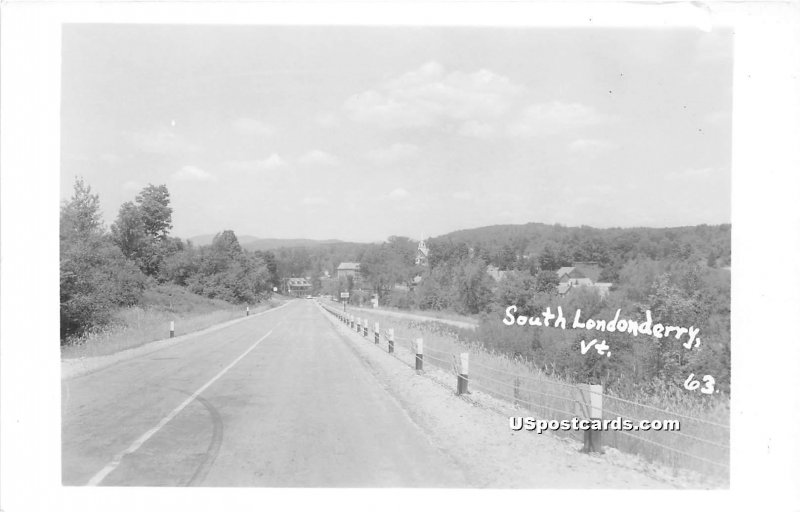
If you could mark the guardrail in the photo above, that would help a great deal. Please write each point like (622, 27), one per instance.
(700, 445)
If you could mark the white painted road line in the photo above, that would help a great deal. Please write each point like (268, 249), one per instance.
(111, 466)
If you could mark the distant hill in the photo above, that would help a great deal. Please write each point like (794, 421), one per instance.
(254, 243)
(207, 239)
(267, 244)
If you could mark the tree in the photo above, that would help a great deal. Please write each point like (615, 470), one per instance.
(142, 228)
(473, 287)
(128, 231)
(81, 217)
(95, 277)
(547, 281)
(153, 202)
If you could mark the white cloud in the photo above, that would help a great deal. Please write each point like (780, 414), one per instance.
(162, 141)
(554, 117)
(429, 96)
(398, 193)
(691, 173)
(318, 157)
(590, 145)
(477, 129)
(314, 201)
(392, 154)
(254, 127)
(272, 162)
(132, 185)
(192, 173)
(327, 119)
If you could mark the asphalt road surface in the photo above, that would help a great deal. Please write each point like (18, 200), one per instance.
(278, 400)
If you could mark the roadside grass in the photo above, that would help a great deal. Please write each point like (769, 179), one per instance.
(701, 445)
(149, 321)
(437, 315)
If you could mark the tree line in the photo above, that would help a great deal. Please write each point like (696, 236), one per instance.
(102, 269)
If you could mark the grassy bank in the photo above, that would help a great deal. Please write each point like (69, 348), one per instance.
(150, 320)
(701, 445)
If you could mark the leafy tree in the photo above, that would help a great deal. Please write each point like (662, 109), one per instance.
(142, 227)
(547, 282)
(473, 287)
(95, 277)
(153, 203)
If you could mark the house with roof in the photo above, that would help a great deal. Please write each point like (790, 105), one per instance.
(298, 286)
(348, 268)
(570, 278)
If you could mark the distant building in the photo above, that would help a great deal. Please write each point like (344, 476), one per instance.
(348, 268)
(495, 272)
(572, 277)
(422, 254)
(298, 286)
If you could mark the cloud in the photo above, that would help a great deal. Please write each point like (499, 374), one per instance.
(398, 193)
(477, 129)
(590, 146)
(192, 173)
(391, 154)
(132, 185)
(691, 173)
(253, 127)
(318, 157)
(161, 141)
(431, 96)
(554, 117)
(462, 194)
(272, 162)
(327, 119)
(314, 201)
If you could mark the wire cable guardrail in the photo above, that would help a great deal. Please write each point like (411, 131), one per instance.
(557, 397)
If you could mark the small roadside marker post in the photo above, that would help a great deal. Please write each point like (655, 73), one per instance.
(247, 313)
(378, 333)
(358, 325)
(366, 328)
(463, 375)
(418, 347)
(592, 440)
(172, 328)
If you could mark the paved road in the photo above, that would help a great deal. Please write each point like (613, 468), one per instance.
(278, 400)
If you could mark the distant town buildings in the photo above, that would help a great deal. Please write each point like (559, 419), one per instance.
(582, 274)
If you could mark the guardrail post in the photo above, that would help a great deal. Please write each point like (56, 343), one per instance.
(366, 328)
(247, 312)
(378, 333)
(592, 439)
(358, 325)
(418, 350)
(172, 328)
(463, 375)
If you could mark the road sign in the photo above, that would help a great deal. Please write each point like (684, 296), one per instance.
(344, 295)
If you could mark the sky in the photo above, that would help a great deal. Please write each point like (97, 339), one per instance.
(360, 133)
